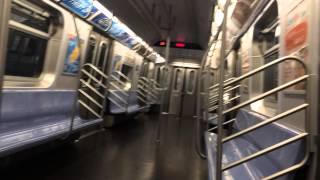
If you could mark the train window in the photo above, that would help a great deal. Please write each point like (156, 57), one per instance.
(25, 54)
(101, 64)
(158, 75)
(28, 38)
(144, 69)
(178, 79)
(30, 16)
(271, 81)
(91, 50)
(266, 50)
(191, 82)
(127, 71)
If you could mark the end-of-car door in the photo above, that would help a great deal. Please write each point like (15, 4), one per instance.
(176, 91)
(189, 99)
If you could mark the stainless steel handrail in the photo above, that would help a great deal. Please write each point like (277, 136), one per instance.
(92, 88)
(93, 78)
(91, 75)
(96, 70)
(226, 102)
(89, 108)
(265, 151)
(123, 76)
(148, 92)
(118, 80)
(262, 68)
(287, 113)
(266, 94)
(266, 122)
(118, 97)
(217, 85)
(90, 98)
(119, 89)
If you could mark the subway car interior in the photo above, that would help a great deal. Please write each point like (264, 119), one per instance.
(159, 89)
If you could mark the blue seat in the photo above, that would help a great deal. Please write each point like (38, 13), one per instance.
(113, 105)
(251, 143)
(131, 108)
(31, 117)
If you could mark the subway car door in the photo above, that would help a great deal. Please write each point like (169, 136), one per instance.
(177, 91)
(188, 96)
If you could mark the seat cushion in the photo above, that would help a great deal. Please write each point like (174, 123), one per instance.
(253, 142)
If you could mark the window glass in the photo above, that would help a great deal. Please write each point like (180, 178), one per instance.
(25, 50)
(191, 82)
(27, 17)
(159, 75)
(266, 50)
(25, 55)
(102, 58)
(178, 79)
(91, 50)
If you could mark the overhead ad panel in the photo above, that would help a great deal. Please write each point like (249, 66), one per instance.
(82, 8)
(121, 33)
(102, 19)
(95, 13)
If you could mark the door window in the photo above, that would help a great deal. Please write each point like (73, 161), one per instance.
(191, 82)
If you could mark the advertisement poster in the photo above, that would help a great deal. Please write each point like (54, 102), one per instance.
(295, 42)
(82, 8)
(72, 61)
(102, 21)
(119, 32)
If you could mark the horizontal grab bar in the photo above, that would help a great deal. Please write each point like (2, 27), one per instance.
(266, 122)
(90, 98)
(122, 75)
(93, 78)
(88, 108)
(262, 96)
(265, 151)
(262, 68)
(96, 69)
(92, 88)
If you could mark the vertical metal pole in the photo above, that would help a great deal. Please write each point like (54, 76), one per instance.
(163, 80)
(221, 103)
(163, 84)
(4, 19)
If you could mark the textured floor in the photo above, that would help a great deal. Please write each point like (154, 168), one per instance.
(130, 151)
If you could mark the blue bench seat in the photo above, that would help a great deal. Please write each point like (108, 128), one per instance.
(251, 143)
(31, 117)
(131, 108)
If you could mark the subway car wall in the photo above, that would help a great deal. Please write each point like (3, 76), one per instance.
(84, 94)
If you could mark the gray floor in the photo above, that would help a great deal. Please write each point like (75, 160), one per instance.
(128, 151)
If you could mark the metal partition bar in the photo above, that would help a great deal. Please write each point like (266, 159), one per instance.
(266, 94)
(262, 68)
(266, 122)
(98, 89)
(123, 76)
(124, 101)
(144, 91)
(305, 107)
(265, 151)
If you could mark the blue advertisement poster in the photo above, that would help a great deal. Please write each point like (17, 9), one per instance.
(82, 8)
(118, 32)
(72, 61)
(102, 21)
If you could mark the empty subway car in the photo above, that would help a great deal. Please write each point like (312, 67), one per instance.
(63, 75)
